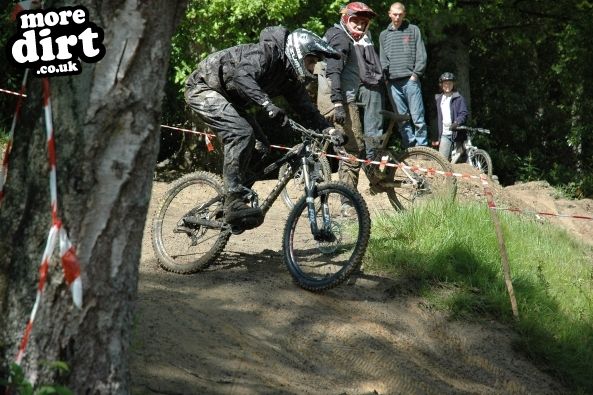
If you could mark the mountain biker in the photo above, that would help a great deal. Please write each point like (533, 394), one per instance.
(451, 113)
(229, 84)
(354, 78)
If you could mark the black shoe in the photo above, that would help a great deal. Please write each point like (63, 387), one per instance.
(251, 222)
(240, 214)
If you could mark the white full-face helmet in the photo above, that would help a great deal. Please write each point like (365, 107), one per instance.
(303, 46)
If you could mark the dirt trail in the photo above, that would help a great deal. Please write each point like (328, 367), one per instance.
(243, 327)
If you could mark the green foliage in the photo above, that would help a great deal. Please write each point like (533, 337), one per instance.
(449, 254)
(217, 24)
(3, 138)
(214, 25)
(528, 171)
(528, 81)
(528, 72)
(17, 382)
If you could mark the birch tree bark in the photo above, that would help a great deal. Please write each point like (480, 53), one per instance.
(106, 123)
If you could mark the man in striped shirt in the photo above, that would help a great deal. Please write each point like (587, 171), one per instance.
(403, 59)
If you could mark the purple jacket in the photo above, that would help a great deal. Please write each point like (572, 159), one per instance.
(459, 114)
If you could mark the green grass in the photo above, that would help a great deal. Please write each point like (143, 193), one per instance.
(449, 254)
(3, 137)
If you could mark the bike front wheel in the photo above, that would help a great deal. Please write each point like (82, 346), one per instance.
(480, 160)
(186, 229)
(323, 260)
(419, 178)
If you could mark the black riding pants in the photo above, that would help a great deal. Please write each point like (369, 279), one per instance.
(234, 129)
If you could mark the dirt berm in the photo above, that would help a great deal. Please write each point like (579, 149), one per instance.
(243, 326)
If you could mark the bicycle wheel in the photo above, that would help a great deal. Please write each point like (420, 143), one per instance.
(295, 187)
(320, 262)
(411, 188)
(183, 246)
(480, 160)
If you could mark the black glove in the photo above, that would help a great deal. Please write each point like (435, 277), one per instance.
(453, 126)
(340, 115)
(276, 114)
(336, 137)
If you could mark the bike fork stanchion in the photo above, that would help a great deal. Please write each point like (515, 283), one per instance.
(309, 188)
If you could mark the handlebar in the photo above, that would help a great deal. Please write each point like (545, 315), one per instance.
(340, 150)
(300, 128)
(470, 129)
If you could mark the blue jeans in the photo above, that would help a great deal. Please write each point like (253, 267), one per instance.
(372, 99)
(446, 146)
(407, 95)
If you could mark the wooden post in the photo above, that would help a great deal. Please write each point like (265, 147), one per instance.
(506, 267)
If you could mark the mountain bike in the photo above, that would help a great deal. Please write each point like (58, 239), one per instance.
(473, 155)
(321, 246)
(397, 174)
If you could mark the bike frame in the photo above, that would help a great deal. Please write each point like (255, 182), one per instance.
(467, 146)
(303, 158)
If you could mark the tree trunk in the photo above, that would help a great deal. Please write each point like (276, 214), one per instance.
(106, 123)
(453, 55)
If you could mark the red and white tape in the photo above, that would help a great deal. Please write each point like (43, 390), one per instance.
(51, 149)
(71, 268)
(12, 93)
(543, 213)
(70, 263)
(207, 136)
(22, 6)
(43, 269)
(383, 163)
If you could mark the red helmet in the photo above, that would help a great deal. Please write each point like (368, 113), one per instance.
(356, 9)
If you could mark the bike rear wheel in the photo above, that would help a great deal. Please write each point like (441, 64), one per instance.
(481, 160)
(184, 246)
(321, 263)
(412, 185)
(295, 187)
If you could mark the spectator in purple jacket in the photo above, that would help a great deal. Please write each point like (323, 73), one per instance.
(452, 112)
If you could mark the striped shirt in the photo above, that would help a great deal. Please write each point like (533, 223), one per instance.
(402, 51)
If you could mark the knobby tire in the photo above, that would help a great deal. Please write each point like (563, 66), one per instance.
(404, 196)
(318, 266)
(174, 250)
(481, 160)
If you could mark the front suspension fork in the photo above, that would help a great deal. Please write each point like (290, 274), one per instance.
(310, 190)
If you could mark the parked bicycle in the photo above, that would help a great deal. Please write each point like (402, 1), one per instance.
(471, 154)
(321, 246)
(399, 178)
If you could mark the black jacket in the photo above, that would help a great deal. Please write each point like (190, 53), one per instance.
(250, 74)
(340, 41)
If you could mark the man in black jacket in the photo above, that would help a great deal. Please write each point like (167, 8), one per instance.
(228, 83)
(353, 79)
